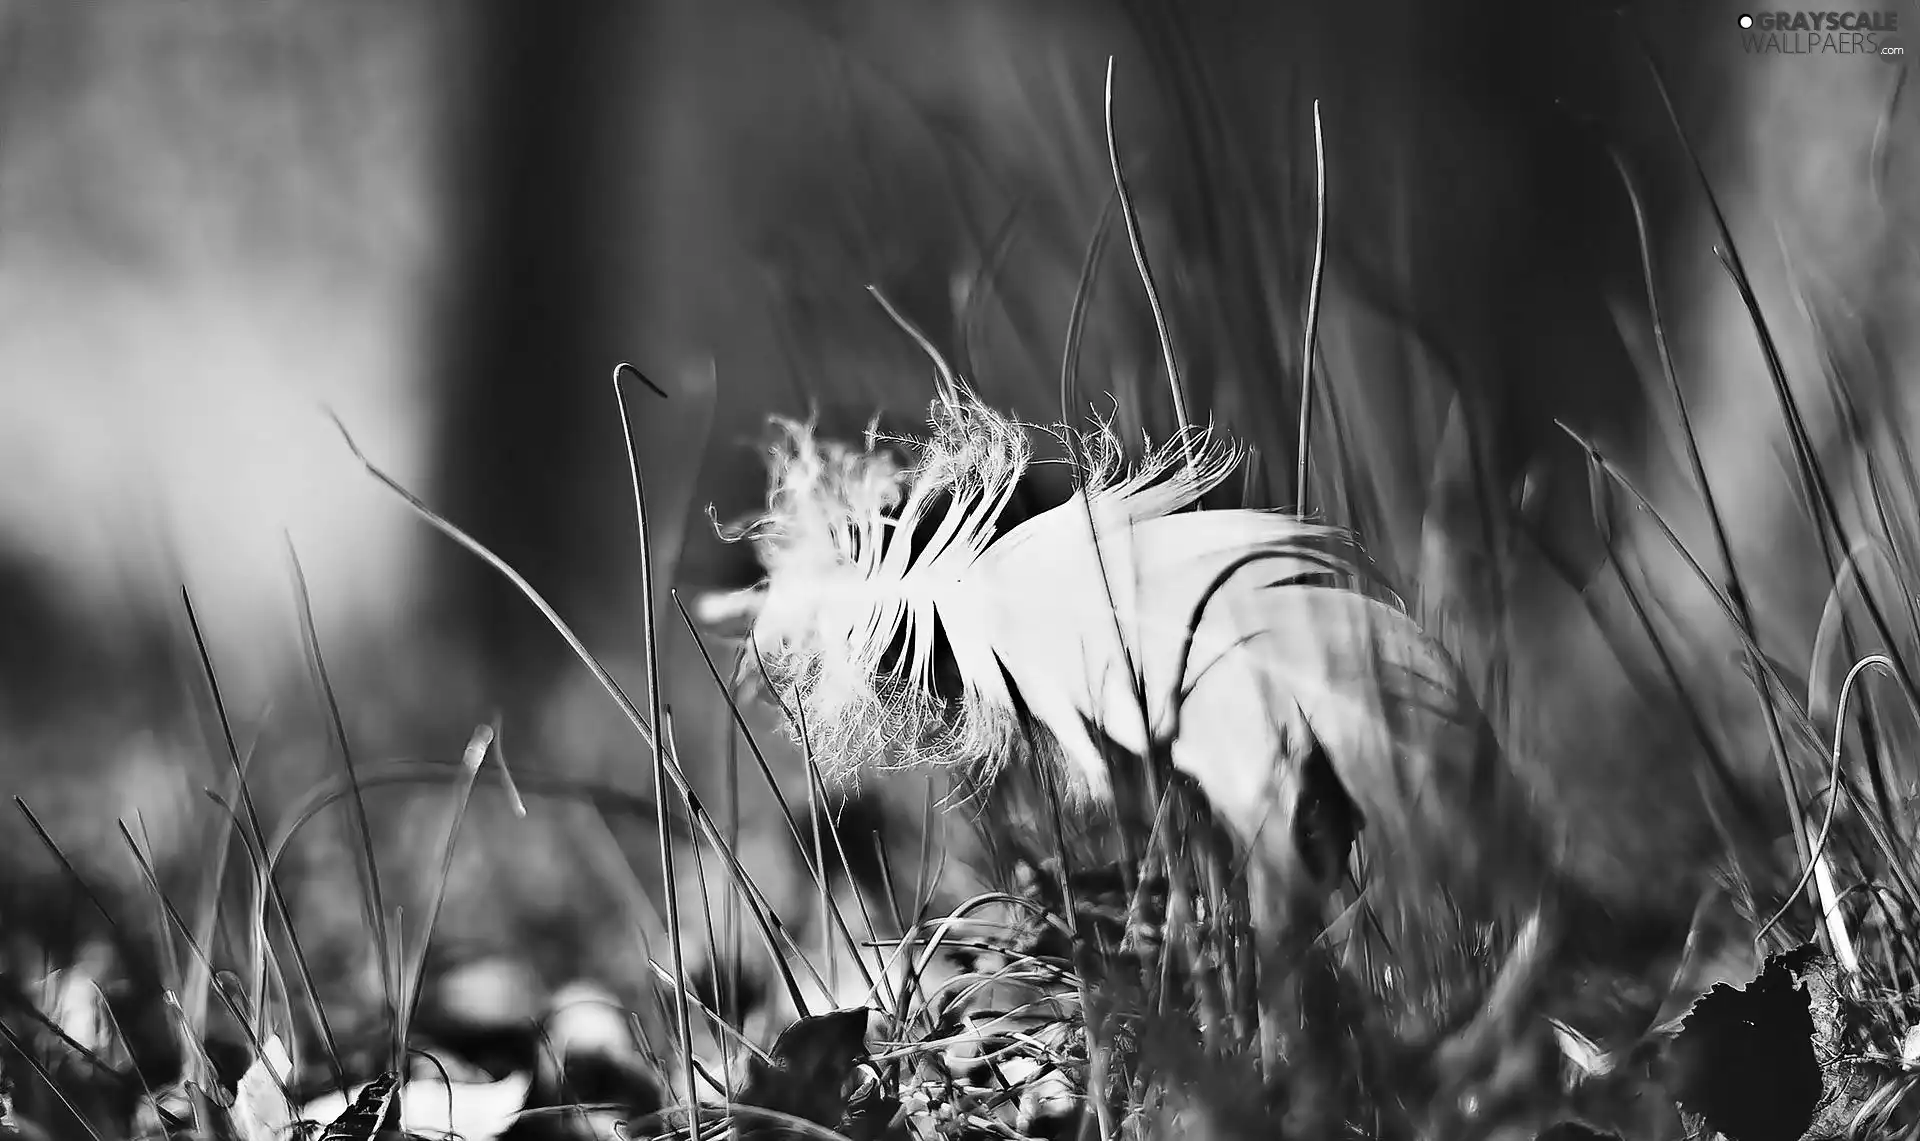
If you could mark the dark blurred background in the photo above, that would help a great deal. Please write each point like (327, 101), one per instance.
(447, 222)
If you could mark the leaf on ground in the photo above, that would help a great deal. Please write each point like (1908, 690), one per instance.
(375, 1111)
(1849, 1080)
(1744, 1059)
(813, 1061)
(473, 1111)
(260, 1110)
(872, 1113)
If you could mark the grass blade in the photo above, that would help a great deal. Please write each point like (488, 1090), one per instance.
(771, 932)
(373, 899)
(1175, 383)
(256, 851)
(655, 711)
(1314, 282)
(414, 976)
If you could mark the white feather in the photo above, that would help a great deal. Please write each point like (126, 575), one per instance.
(1214, 634)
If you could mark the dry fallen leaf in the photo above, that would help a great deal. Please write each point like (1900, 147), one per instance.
(813, 1061)
(374, 1111)
(474, 1111)
(260, 1110)
(1744, 1059)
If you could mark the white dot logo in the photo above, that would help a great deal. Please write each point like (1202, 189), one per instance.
(1746, 21)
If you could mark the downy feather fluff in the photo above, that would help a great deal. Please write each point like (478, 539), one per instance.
(1225, 637)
